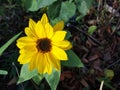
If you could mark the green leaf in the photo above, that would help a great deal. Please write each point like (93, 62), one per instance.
(68, 35)
(30, 5)
(67, 10)
(92, 29)
(73, 61)
(5, 46)
(44, 3)
(53, 79)
(3, 72)
(34, 5)
(53, 10)
(84, 6)
(83, 9)
(109, 73)
(26, 74)
(56, 20)
(37, 79)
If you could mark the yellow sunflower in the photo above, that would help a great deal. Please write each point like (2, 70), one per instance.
(44, 46)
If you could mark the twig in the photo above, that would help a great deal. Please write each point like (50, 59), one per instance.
(113, 63)
(17, 74)
(15, 68)
(96, 41)
(118, 25)
(99, 4)
(101, 86)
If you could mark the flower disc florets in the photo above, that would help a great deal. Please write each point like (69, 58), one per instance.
(44, 45)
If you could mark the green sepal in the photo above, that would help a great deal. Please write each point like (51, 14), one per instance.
(26, 74)
(53, 79)
(38, 78)
(73, 60)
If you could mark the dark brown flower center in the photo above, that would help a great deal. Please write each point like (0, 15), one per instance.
(44, 45)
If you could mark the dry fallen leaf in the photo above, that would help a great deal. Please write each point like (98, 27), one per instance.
(84, 83)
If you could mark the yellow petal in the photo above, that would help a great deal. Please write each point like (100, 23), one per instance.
(41, 63)
(48, 64)
(31, 49)
(63, 44)
(29, 32)
(49, 30)
(69, 47)
(39, 29)
(32, 64)
(59, 35)
(55, 62)
(25, 41)
(44, 19)
(59, 53)
(59, 26)
(22, 59)
(32, 25)
(25, 58)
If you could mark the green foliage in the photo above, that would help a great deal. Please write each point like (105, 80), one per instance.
(30, 5)
(34, 5)
(3, 72)
(54, 10)
(109, 73)
(74, 60)
(67, 10)
(53, 79)
(84, 6)
(44, 3)
(38, 78)
(61, 11)
(26, 74)
(68, 35)
(92, 29)
(5, 46)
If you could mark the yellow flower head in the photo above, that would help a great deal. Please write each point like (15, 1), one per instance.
(44, 46)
